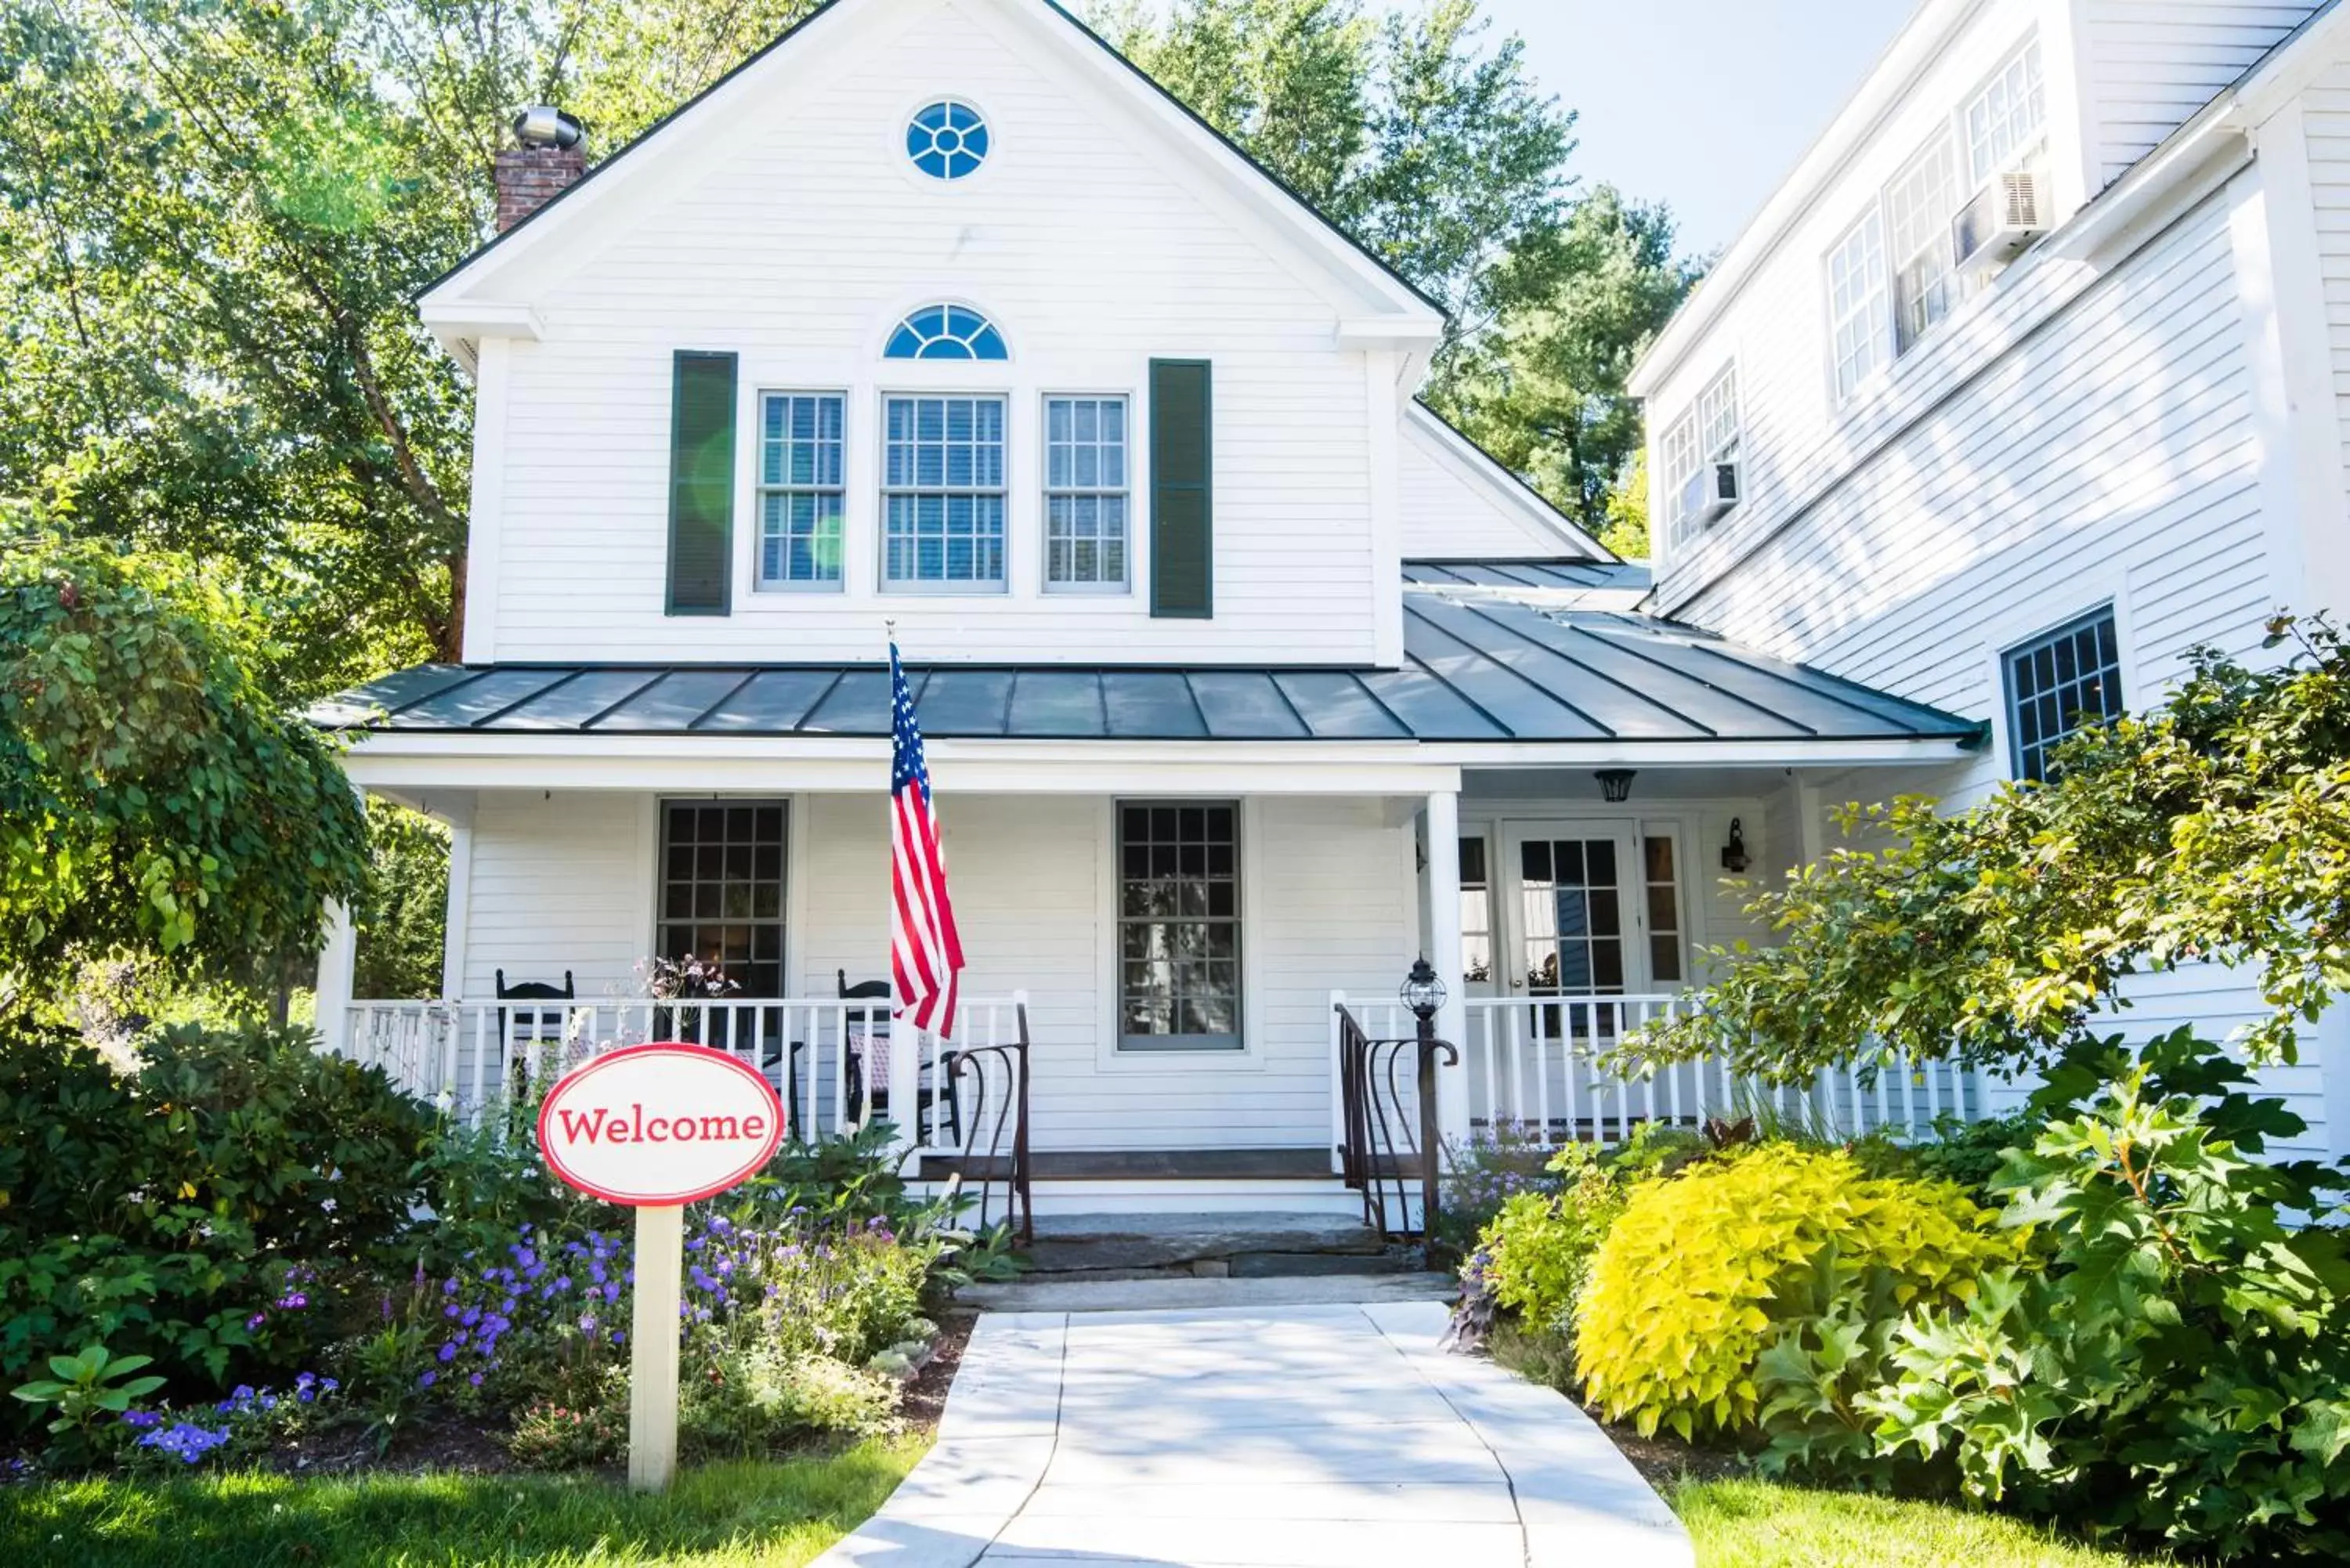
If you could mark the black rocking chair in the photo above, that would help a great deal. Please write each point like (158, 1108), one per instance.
(874, 1023)
(530, 1027)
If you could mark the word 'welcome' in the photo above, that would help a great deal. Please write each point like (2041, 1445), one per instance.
(605, 1124)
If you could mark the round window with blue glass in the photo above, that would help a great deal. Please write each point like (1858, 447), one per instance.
(947, 141)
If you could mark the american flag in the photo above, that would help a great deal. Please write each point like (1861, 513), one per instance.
(925, 952)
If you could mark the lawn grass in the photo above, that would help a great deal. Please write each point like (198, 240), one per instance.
(736, 1515)
(1761, 1524)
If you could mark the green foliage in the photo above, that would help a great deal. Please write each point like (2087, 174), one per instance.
(1484, 1173)
(2179, 1369)
(1696, 1278)
(1539, 1249)
(2210, 829)
(402, 921)
(87, 1389)
(1545, 389)
(1971, 1153)
(173, 1211)
(552, 1437)
(150, 794)
(744, 1401)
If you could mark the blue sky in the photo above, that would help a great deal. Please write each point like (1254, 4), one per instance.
(1702, 104)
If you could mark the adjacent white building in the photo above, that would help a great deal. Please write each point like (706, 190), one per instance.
(2029, 380)
(1247, 681)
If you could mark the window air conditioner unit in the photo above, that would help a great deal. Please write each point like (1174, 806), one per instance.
(1709, 493)
(2006, 215)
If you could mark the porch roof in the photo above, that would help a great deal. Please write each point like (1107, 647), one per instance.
(1481, 669)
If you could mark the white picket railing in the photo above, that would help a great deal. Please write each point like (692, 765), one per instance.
(1533, 1063)
(477, 1059)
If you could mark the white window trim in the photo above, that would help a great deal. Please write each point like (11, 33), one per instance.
(1688, 431)
(1108, 1056)
(2072, 595)
(1124, 587)
(1874, 314)
(1887, 330)
(886, 587)
(761, 490)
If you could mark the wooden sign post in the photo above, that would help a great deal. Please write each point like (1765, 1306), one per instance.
(656, 1128)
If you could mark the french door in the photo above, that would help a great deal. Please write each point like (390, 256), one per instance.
(1588, 908)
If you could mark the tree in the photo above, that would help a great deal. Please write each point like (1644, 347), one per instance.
(2217, 827)
(152, 796)
(1545, 389)
(403, 922)
(216, 219)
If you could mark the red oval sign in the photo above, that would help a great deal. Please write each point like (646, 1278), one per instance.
(657, 1125)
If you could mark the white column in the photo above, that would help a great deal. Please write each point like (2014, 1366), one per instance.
(338, 957)
(1444, 954)
(459, 913)
(907, 1047)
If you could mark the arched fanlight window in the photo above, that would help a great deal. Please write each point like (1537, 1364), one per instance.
(947, 139)
(946, 332)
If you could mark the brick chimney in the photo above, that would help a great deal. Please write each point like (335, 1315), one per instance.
(551, 159)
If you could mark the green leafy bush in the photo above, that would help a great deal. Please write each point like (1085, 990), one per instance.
(183, 1212)
(2182, 1369)
(1702, 1269)
(1538, 1250)
(751, 1397)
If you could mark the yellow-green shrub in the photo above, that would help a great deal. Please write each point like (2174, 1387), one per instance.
(1697, 1275)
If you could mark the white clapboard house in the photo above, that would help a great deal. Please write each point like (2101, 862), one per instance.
(2033, 375)
(1246, 680)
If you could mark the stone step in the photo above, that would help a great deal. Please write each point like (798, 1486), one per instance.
(1112, 1247)
(1185, 1295)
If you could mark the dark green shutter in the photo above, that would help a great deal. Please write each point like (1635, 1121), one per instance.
(1182, 489)
(702, 484)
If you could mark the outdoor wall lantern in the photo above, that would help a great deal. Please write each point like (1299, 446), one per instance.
(1422, 991)
(1734, 854)
(1614, 784)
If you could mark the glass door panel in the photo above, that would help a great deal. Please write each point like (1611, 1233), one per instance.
(1572, 938)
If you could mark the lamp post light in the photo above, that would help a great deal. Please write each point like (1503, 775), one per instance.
(1423, 991)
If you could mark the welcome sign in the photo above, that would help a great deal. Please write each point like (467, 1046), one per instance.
(657, 1128)
(652, 1126)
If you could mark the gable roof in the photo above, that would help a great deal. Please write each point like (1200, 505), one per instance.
(1276, 196)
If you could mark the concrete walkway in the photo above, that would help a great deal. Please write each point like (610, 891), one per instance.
(1291, 1437)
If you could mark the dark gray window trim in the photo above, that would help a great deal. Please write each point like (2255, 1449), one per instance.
(1232, 1045)
(2012, 659)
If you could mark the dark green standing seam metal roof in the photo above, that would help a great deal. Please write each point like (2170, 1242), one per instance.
(1474, 670)
(1518, 573)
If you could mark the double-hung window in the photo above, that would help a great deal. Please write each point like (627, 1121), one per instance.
(1178, 927)
(2057, 683)
(1856, 305)
(721, 890)
(1892, 276)
(1918, 206)
(943, 493)
(2004, 120)
(1705, 434)
(1086, 500)
(801, 492)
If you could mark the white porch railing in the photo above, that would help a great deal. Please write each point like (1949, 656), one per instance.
(480, 1060)
(1533, 1063)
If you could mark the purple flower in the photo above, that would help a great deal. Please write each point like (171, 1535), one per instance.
(184, 1442)
(427, 1378)
(255, 1320)
(449, 1352)
(141, 1419)
(476, 1380)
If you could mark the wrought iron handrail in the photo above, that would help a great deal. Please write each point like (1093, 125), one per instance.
(998, 1098)
(1383, 1141)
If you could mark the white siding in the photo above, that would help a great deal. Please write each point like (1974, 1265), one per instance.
(2150, 64)
(1450, 516)
(559, 882)
(566, 883)
(2325, 118)
(803, 242)
(2107, 455)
